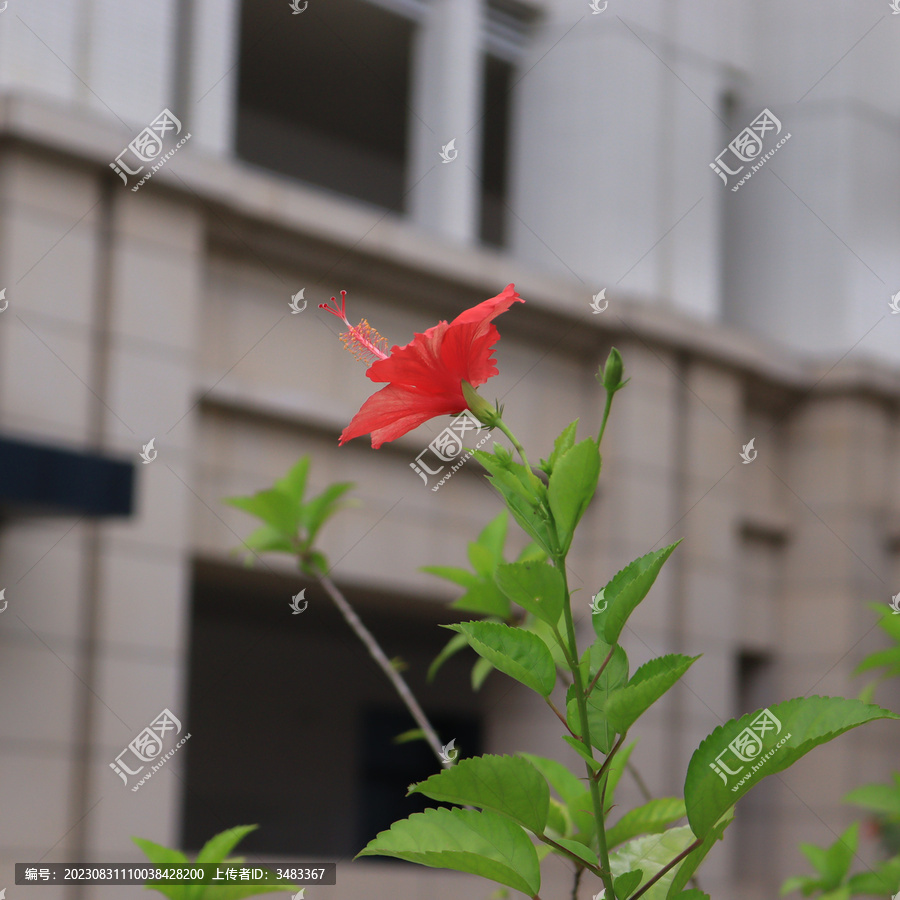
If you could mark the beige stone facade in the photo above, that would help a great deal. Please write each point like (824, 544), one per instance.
(164, 314)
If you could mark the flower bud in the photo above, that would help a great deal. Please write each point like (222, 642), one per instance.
(611, 374)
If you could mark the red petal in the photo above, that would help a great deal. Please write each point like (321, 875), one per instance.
(444, 355)
(417, 364)
(395, 410)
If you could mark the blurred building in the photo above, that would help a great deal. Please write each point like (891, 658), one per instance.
(421, 154)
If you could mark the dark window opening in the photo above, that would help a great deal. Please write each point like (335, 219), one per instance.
(754, 681)
(753, 833)
(389, 769)
(292, 723)
(323, 96)
(498, 76)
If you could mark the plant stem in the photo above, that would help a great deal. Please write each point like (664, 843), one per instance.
(609, 398)
(609, 758)
(581, 699)
(667, 867)
(375, 651)
(514, 441)
(562, 719)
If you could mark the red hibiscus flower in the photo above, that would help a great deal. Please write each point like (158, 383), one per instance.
(424, 378)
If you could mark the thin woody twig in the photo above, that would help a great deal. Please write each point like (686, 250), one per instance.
(600, 670)
(576, 882)
(375, 651)
(667, 867)
(562, 719)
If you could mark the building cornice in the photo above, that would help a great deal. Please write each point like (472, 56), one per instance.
(421, 265)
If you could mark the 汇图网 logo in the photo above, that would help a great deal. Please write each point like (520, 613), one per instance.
(748, 745)
(148, 746)
(747, 147)
(147, 147)
(447, 446)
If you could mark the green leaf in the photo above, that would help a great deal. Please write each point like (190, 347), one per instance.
(573, 791)
(482, 595)
(294, 483)
(833, 863)
(877, 797)
(240, 891)
(274, 507)
(625, 885)
(614, 675)
(842, 893)
(159, 855)
(818, 859)
(884, 880)
(406, 737)
(532, 553)
(536, 586)
(480, 672)
(559, 822)
(509, 785)
(571, 488)
(889, 657)
(482, 560)
(462, 577)
(267, 539)
(217, 848)
(796, 883)
(867, 694)
(523, 499)
(545, 633)
(568, 786)
(486, 599)
(561, 446)
(521, 481)
(483, 843)
(317, 512)
(164, 856)
(802, 723)
(583, 853)
(692, 861)
(493, 537)
(517, 653)
(582, 751)
(314, 564)
(651, 818)
(649, 854)
(627, 588)
(453, 646)
(648, 684)
(888, 621)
